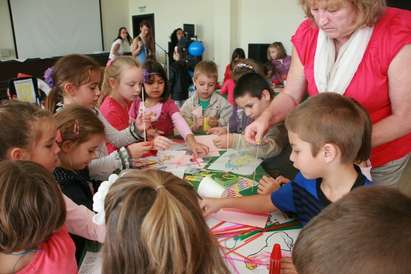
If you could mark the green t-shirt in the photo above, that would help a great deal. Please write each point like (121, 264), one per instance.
(204, 104)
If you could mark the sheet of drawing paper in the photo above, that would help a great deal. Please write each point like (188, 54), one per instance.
(239, 162)
(207, 140)
(254, 256)
(240, 217)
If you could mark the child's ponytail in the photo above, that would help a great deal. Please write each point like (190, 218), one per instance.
(155, 225)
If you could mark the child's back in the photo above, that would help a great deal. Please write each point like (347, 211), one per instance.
(34, 238)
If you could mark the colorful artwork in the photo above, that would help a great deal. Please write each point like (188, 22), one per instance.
(239, 162)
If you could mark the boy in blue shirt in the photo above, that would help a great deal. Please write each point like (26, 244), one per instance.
(328, 133)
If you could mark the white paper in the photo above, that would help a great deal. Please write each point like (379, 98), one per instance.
(25, 90)
(239, 162)
(209, 188)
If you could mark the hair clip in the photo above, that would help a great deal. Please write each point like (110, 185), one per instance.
(48, 77)
(147, 75)
(76, 127)
(243, 65)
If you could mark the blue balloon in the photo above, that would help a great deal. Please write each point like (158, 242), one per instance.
(196, 48)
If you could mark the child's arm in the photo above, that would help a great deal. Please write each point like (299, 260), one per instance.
(181, 125)
(119, 138)
(254, 204)
(79, 222)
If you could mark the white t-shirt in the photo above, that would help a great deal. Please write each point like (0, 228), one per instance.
(124, 47)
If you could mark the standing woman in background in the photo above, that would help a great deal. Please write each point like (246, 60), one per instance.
(143, 45)
(121, 44)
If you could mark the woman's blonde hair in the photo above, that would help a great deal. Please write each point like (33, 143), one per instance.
(155, 226)
(113, 71)
(369, 11)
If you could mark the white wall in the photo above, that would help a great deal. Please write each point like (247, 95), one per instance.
(223, 24)
(6, 35)
(114, 15)
(266, 21)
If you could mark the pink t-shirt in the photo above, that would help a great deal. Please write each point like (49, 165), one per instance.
(369, 85)
(116, 115)
(167, 117)
(56, 255)
(228, 88)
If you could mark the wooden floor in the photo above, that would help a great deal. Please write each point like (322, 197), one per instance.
(405, 182)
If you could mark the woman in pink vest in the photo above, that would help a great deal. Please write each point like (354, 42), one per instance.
(361, 49)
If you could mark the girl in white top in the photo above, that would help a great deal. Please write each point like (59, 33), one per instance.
(121, 44)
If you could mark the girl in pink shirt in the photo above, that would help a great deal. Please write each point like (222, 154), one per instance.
(122, 83)
(164, 114)
(32, 216)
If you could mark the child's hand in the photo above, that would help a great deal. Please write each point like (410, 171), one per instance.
(217, 131)
(210, 205)
(137, 150)
(287, 266)
(224, 141)
(161, 142)
(143, 123)
(199, 150)
(269, 184)
(212, 121)
(197, 123)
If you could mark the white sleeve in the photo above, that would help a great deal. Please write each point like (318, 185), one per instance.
(104, 165)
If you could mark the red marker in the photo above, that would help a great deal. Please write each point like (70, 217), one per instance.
(275, 259)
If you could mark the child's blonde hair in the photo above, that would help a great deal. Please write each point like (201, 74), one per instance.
(113, 71)
(155, 225)
(31, 205)
(76, 124)
(74, 68)
(208, 68)
(22, 125)
(333, 118)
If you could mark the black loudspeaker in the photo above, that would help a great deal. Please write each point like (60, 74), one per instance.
(258, 52)
(189, 29)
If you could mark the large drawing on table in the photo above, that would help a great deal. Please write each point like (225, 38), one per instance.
(239, 162)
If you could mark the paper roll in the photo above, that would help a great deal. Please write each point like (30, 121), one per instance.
(209, 188)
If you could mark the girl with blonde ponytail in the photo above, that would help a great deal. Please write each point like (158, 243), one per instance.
(155, 226)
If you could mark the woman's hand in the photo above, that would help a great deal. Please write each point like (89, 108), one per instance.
(268, 184)
(255, 131)
(224, 141)
(137, 150)
(162, 143)
(217, 131)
